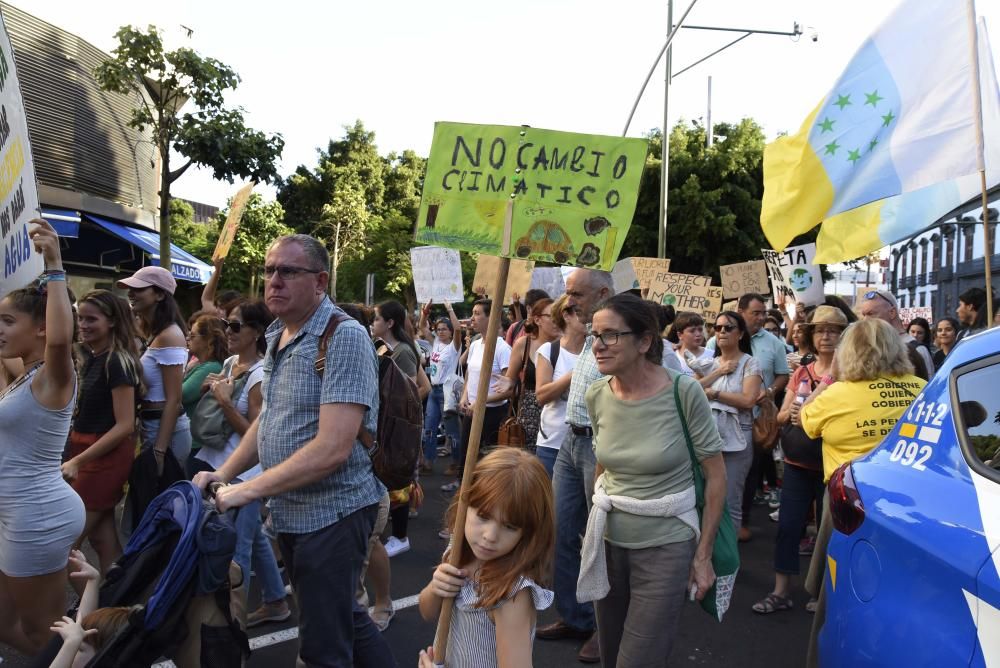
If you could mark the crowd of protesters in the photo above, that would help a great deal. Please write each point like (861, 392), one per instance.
(591, 509)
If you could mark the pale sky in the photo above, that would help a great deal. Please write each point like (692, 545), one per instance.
(309, 68)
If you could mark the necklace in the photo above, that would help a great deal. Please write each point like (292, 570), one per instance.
(20, 380)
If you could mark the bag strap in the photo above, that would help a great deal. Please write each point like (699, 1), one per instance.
(699, 480)
(554, 349)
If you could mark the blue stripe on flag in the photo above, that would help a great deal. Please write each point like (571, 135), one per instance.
(853, 131)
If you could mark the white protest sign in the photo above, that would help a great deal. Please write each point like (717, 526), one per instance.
(638, 272)
(518, 278)
(624, 276)
(18, 193)
(794, 275)
(687, 292)
(908, 314)
(549, 279)
(437, 274)
(743, 277)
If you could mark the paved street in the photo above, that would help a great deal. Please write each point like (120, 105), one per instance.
(744, 639)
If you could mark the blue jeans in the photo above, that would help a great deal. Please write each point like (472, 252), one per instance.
(548, 457)
(324, 567)
(433, 415)
(180, 441)
(253, 550)
(799, 488)
(573, 483)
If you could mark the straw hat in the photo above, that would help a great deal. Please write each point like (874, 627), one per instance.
(828, 315)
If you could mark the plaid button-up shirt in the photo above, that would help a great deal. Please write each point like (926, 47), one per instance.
(584, 374)
(289, 418)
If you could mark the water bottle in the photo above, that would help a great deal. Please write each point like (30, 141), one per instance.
(805, 389)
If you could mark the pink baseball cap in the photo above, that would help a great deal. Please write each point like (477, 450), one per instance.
(150, 276)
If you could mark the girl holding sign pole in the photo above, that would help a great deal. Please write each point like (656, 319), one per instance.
(40, 514)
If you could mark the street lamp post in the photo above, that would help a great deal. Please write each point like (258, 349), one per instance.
(661, 249)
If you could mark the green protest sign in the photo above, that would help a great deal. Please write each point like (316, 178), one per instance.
(571, 196)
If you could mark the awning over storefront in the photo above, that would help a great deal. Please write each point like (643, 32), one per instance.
(66, 223)
(183, 265)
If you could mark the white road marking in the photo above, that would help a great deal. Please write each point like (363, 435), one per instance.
(278, 637)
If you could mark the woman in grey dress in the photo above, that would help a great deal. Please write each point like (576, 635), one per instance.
(40, 514)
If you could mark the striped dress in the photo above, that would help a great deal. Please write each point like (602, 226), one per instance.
(472, 642)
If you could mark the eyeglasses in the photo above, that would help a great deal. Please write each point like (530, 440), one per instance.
(726, 328)
(872, 294)
(286, 272)
(771, 329)
(611, 338)
(234, 325)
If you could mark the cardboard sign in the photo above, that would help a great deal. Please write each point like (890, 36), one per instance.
(731, 306)
(794, 275)
(687, 292)
(518, 278)
(228, 233)
(18, 193)
(909, 313)
(637, 272)
(549, 279)
(437, 274)
(743, 277)
(573, 195)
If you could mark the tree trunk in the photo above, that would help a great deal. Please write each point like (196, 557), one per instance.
(165, 208)
(335, 263)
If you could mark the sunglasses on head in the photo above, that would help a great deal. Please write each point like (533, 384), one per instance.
(872, 294)
(726, 328)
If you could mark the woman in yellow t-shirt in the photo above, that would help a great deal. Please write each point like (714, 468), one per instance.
(872, 384)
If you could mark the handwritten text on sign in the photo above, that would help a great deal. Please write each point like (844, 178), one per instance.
(18, 196)
(518, 278)
(741, 278)
(437, 274)
(687, 292)
(793, 274)
(573, 194)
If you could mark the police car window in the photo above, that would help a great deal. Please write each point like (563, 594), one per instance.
(979, 413)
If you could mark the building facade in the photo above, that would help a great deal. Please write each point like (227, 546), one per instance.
(934, 267)
(97, 177)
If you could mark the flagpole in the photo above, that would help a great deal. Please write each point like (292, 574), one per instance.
(977, 104)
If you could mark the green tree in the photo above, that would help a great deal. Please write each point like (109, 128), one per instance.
(261, 224)
(211, 135)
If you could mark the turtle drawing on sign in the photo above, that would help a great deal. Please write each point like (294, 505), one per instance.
(800, 280)
(548, 237)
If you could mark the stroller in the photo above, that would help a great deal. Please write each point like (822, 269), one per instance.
(177, 573)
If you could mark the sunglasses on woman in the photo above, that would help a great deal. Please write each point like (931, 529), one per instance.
(726, 328)
(234, 325)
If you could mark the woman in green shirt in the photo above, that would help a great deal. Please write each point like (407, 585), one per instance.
(208, 344)
(656, 554)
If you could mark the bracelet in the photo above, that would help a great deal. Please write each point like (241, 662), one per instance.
(48, 278)
(828, 380)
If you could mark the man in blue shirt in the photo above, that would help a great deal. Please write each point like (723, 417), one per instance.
(317, 474)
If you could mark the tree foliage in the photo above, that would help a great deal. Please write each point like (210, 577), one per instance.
(210, 135)
(714, 198)
(261, 224)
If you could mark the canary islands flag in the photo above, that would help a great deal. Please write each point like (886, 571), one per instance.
(894, 146)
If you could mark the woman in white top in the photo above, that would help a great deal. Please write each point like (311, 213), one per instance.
(688, 337)
(164, 424)
(443, 363)
(552, 381)
(238, 391)
(496, 399)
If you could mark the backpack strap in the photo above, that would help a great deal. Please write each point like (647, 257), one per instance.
(366, 437)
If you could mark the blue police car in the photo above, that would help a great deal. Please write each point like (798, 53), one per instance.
(913, 567)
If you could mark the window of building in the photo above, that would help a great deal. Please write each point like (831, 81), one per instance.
(902, 263)
(923, 299)
(936, 254)
(913, 260)
(950, 252)
(923, 257)
(970, 237)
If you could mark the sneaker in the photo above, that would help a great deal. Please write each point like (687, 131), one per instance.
(288, 589)
(444, 451)
(774, 498)
(807, 545)
(450, 487)
(278, 611)
(414, 513)
(759, 499)
(395, 546)
(445, 534)
(774, 516)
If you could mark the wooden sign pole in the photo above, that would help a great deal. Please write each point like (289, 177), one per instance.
(472, 448)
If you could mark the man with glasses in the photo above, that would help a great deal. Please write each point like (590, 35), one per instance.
(882, 304)
(323, 494)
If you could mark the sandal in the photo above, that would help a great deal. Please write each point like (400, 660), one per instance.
(772, 603)
(382, 623)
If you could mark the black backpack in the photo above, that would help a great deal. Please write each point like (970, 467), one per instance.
(395, 448)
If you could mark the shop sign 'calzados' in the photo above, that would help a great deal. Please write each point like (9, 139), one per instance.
(572, 195)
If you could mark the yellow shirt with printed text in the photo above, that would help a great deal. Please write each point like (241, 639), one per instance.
(852, 417)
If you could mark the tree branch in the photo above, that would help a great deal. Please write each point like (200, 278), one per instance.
(177, 173)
